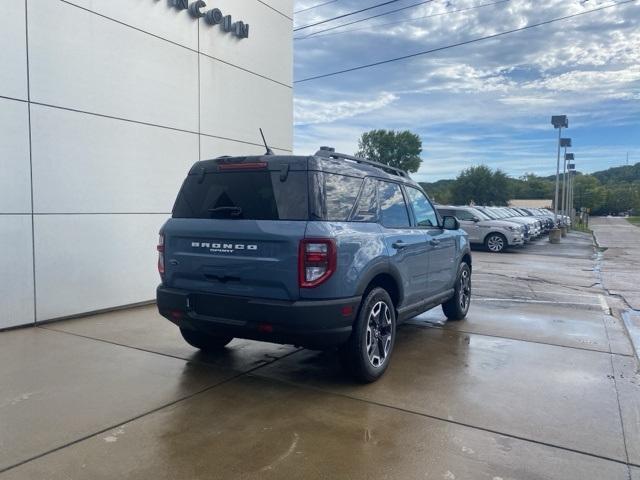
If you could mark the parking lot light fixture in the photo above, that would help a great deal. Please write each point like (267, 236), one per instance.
(568, 157)
(564, 142)
(571, 167)
(559, 122)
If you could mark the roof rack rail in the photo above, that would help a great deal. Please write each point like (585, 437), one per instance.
(330, 152)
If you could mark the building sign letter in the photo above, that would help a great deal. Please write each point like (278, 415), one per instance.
(195, 8)
(213, 17)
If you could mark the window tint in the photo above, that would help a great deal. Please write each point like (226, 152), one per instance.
(243, 195)
(393, 210)
(367, 209)
(425, 214)
(490, 214)
(446, 212)
(464, 215)
(340, 195)
(479, 214)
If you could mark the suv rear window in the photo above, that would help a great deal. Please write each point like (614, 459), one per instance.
(244, 195)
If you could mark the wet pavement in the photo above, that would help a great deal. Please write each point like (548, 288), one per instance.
(539, 382)
(619, 272)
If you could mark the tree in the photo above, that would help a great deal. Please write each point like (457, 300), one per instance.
(394, 148)
(530, 186)
(482, 186)
(588, 193)
(440, 191)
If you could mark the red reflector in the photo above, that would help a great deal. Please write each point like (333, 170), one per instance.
(316, 257)
(242, 166)
(265, 328)
(347, 311)
(177, 314)
(160, 249)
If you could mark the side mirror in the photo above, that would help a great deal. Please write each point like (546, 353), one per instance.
(450, 223)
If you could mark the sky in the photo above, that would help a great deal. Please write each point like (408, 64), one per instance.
(489, 102)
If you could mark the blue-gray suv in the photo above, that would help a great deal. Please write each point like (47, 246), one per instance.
(320, 251)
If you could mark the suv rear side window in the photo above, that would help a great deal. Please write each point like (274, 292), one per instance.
(340, 195)
(367, 208)
(244, 195)
(393, 209)
(425, 214)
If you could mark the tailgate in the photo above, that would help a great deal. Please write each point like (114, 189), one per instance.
(253, 258)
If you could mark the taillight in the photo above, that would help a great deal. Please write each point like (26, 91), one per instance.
(316, 261)
(161, 255)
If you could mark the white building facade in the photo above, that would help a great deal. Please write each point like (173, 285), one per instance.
(104, 106)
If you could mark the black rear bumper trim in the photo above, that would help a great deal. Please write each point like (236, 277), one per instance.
(308, 323)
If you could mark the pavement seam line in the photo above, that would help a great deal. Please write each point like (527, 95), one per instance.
(441, 327)
(435, 417)
(109, 342)
(539, 292)
(577, 288)
(138, 417)
(533, 301)
(615, 387)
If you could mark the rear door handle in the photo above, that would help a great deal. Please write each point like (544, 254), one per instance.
(399, 245)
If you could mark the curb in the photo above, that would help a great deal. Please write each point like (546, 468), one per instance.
(633, 329)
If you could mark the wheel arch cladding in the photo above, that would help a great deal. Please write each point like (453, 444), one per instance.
(466, 258)
(389, 283)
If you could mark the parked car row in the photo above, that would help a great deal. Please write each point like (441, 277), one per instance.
(498, 228)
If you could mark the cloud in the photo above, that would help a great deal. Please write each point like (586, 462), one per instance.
(308, 111)
(599, 81)
(457, 100)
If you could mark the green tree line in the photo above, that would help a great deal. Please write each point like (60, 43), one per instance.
(614, 190)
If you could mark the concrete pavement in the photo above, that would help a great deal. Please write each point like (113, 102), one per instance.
(619, 268)
(539, 382)
(621, 257)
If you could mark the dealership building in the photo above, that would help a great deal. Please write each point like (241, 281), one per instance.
(104, 106)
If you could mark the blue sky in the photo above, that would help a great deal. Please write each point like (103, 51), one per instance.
(485, 103)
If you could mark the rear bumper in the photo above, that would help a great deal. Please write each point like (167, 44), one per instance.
(308, 323)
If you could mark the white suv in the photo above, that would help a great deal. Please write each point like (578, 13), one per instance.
(495, 235)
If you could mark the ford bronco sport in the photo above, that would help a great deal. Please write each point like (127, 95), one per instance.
(319, 251)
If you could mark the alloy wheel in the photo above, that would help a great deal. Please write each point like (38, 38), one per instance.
(379, 332)
(464, 291)
(495, 243)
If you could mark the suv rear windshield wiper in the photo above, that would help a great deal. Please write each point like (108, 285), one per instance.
(233, 211)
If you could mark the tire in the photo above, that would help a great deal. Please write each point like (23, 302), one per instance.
(364, 357)
(495, 242)
(205, 341)
(456, 307)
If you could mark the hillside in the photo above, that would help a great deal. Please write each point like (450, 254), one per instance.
(623, 174)
(615, 189)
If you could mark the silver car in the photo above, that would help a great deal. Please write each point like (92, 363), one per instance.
(498, 213)
(495, 235)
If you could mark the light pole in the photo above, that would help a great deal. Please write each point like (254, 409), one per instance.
(568, 157)
(572, 170)
(564, 142)
(559, 122)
